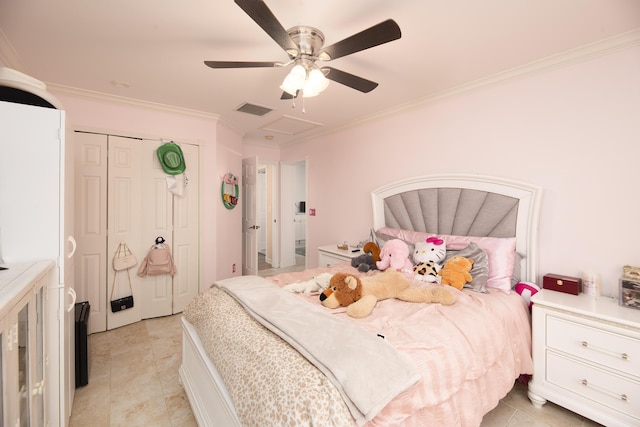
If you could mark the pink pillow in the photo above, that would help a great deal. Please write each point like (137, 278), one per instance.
(500, 251)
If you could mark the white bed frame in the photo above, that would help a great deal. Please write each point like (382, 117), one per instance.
(208, 396)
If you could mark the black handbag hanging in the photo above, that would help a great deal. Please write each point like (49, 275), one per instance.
(124, 302)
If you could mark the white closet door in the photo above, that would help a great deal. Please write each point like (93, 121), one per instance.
(124, 216)
(92, 260)
(157, 219)
(121, 187)
(176, 218)
(186, 242)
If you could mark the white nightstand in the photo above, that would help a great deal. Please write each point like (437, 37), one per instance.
(330, 254)
(586, 356)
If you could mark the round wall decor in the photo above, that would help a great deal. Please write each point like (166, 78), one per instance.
(230, 191)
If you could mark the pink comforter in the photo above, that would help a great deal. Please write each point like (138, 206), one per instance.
(468, 354)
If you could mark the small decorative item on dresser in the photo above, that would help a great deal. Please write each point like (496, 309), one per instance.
(566, 284)
(631, 272)
(630, 293)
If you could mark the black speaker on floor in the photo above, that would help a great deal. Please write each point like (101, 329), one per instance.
(82, 311)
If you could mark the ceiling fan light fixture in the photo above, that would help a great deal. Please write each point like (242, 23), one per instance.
(295, 80)
(316, 83)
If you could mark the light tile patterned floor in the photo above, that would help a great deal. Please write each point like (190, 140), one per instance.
(133, 381)
(133, 378)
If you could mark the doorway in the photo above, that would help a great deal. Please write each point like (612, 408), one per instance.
(281, 202)
(299, 207)
(265, 217)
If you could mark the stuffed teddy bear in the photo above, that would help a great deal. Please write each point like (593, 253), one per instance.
(363, 263)
(428, 257)
(395, 254)
(315, 284)
(456, 272)
(360, 295)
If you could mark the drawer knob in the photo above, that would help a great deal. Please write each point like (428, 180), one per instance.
(624, 397)
(625, 356)
(585, 344)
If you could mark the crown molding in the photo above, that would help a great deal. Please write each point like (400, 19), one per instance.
(82, 93)
(8, 54)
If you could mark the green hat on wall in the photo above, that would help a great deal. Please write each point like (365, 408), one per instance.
(171, 158)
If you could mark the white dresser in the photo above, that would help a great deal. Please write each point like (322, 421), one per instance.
(25, 344)
(586, 356)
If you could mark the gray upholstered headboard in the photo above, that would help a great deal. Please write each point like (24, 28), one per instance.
(465, 205)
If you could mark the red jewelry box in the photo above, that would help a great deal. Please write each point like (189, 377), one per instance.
(566, 284)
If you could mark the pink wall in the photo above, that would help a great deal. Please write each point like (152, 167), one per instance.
(574, 131)
(265, 153)
(229, 221)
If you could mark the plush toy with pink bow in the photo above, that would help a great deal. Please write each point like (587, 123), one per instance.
(428, 257)
(395, 254)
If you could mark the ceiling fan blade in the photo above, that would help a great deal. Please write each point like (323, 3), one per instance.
(347, 79)
(287, 95)
(241, 64)
(262, 15)
(381, 33)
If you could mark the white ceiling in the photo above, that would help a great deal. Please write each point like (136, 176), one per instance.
(157, 48)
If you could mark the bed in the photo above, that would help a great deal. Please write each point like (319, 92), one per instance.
(442, 365)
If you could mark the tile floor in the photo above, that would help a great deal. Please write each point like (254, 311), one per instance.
(133, 381)
(133, 378)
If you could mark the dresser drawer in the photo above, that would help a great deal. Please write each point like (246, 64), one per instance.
(325, 260)
(599, 346)
(600, 387)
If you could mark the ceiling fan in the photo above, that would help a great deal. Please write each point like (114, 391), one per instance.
(304, 45)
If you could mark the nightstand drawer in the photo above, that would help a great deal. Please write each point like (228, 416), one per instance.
(599, 346)
(597, 385)
(330, 255)
(325, 259)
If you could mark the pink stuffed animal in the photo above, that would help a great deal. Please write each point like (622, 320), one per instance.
(395, 254)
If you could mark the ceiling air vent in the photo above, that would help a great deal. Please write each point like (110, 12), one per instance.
(254, 109)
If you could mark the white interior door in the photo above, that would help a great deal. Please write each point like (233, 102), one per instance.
(91, 225)
(176, 219)
(157, 211)
(186, 233)
(250, 224)
(287, 215)
(271, 197)
(124, 217)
